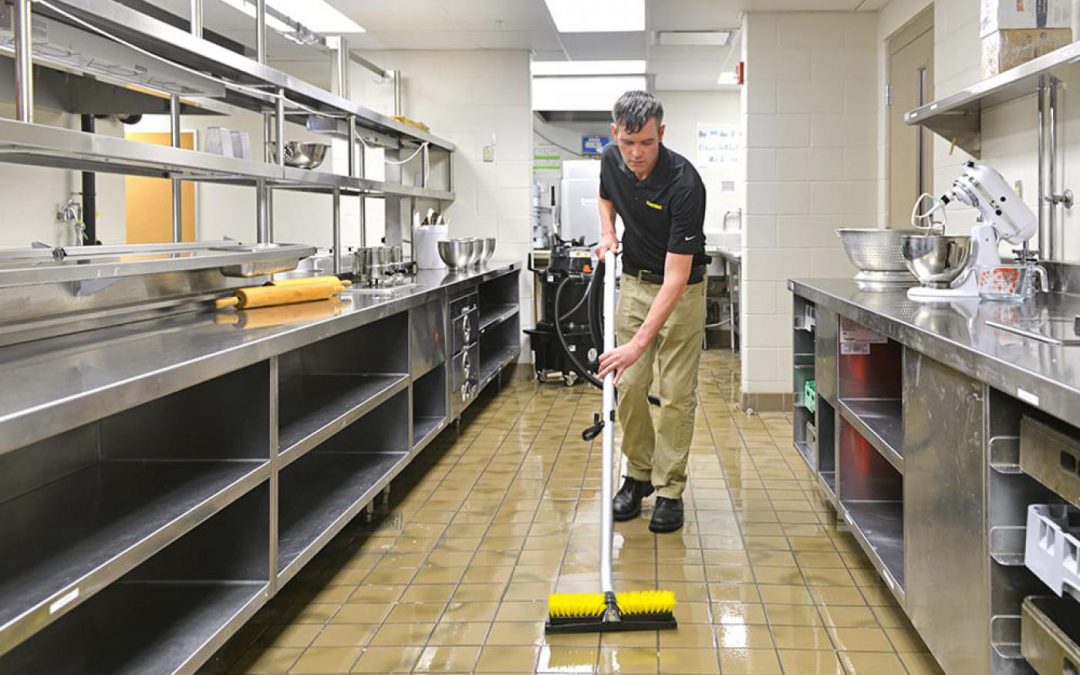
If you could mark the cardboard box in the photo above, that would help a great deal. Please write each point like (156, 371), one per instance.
(999, 15)
(1007, 49)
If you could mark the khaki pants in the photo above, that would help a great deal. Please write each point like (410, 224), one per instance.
(659, 456)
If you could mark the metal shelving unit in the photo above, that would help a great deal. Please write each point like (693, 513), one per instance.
(193, 73)
(879, 527)
(879, 421)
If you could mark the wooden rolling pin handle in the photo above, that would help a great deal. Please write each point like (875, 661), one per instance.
(225, 303)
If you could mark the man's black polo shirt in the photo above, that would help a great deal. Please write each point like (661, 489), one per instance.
(665, 212)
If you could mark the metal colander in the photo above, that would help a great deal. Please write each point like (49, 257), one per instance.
(874, 250)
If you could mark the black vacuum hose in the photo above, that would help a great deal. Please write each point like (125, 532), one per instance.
(582, 370)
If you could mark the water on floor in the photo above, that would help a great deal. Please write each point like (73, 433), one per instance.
(453, 576)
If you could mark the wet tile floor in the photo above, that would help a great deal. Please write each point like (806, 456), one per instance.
(453, 575)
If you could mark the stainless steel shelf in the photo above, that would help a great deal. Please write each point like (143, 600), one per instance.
(493, 315)
(320, 494)
(492, 362)
(880, 422)
(315, 407)
(426, 428)
(827, 481)
(807, 453)
(879, 528)
(181, 47)
(66, 541)
(141, 627)
(40, 145)
(959, 115)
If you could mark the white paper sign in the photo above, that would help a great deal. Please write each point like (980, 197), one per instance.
(719, 146)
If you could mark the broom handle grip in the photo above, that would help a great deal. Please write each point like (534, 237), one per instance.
(607, 527)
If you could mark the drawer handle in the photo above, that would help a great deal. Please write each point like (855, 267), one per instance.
(1068, 463)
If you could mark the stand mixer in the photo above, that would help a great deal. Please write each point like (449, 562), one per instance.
(944, 264)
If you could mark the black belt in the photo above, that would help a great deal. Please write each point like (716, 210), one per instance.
(697, 274)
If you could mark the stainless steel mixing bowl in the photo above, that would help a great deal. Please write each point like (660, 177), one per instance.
(489, 249)
(456, 253)
(477, 251)
(302, 155)
(937, 260)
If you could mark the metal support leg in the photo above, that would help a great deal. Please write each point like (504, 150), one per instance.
(337, 232)
(177, 185)
(352, 145)
(279, 122)
(197, 18)
(1044, 208)
(1051, 251)
(386, 498)
(262, 210)
(397, 93)
(24, 63)
(260, 30)
(369, 511)
(361, 170)
(425, 165)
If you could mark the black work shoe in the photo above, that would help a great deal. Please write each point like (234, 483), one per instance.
(627, 501)
(667, 515)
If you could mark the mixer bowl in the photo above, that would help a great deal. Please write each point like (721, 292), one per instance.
(937, 260)
(302, 155)
(488, 250)
(456, 253)
(477, 251)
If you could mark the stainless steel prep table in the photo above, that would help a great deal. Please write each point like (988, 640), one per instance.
(913, 436)
(127, 454)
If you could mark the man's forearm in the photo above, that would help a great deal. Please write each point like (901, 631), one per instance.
(607, 219)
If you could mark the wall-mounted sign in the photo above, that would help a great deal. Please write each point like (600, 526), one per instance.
(719, 146)
(593, 145)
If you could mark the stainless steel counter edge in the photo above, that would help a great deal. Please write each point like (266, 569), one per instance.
(55, 385)
(1040, 374)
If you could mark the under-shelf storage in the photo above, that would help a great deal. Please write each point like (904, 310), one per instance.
(826, 448)
(320, 492)
(429, 406)
(1050, 629)
(169, 614)
(803, 410)
(870, 387)
(326, 386)
(871, 493)
(499, 347)
(83, 508)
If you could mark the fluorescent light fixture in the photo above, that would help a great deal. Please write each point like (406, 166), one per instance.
(581, 93)
(317, 15)
(550, 68)
(693, 38)
(728, 77)
(597, 16)
(314, 15)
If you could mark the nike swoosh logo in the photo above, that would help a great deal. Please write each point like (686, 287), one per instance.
(689, 238)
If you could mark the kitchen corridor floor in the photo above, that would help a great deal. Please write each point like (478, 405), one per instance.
(453, 576)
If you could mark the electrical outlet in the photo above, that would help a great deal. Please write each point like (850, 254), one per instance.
(489, 153)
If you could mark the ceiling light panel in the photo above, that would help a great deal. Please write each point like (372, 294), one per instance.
(315, 15)
(581, 93)
(694, 38)
(555, 68)
(597, 16)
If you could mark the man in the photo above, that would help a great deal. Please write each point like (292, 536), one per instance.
(661, 312)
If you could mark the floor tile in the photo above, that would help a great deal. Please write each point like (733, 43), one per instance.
(387, 660)
(326, 660)
(749, 662)
(447, 659)
(802, 662)
(868, 663)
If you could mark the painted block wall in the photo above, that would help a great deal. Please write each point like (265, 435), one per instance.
(811, 167)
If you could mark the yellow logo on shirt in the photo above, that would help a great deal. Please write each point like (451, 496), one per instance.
(653, 205)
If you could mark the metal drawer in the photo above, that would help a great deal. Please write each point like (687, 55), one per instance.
(1051, 457)
(464, 331)
(463, 305)
(464, 379)
(1049, 633)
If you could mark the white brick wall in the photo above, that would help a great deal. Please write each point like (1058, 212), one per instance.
(811, 166)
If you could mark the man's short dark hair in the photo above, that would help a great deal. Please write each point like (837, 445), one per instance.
(634, 109)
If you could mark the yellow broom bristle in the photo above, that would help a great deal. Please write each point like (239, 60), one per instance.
(571, 605)
(645, 602)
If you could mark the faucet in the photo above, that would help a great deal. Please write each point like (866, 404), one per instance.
(738, 215)
(71, 214)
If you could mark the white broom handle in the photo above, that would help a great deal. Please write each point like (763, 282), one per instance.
(607, 527)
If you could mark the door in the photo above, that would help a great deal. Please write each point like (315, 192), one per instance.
(911, 84)
(149, 200)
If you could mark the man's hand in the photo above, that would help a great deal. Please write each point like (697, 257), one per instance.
(618, 360)
(607, 243)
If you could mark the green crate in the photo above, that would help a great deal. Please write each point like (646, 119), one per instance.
(810, 396)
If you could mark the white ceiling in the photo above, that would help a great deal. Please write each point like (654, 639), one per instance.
(526, 24)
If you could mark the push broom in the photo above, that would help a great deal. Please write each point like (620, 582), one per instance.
(608, 611)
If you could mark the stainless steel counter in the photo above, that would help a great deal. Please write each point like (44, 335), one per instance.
(1044, 375)
(730, 254)
(54, 385)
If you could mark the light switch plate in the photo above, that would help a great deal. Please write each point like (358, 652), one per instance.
(489, 153)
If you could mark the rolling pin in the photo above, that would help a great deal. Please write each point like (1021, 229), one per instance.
(267, 296)
(303, 281)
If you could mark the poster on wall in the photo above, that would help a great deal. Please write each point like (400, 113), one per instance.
(719, 146)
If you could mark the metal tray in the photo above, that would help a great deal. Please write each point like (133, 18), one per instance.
(1051, 457)
(1049, 633)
